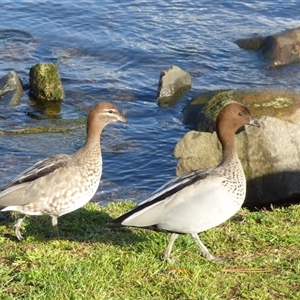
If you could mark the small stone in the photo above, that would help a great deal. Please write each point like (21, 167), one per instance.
(173, 81)
(11, 89)
(45, 82)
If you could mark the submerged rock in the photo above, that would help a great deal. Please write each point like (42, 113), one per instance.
(45, 82)
(16, 45)
(172, 83)
(11, 90)
(279, 49)
(270, 156)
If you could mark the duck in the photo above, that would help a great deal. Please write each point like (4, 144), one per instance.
(61, 183)
(199, 200)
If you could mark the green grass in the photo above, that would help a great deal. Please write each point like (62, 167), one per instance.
(90, 262)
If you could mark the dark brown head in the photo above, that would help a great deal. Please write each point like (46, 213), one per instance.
(102, 114)
(232, 117)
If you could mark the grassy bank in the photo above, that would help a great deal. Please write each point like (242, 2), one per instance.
(90, 262)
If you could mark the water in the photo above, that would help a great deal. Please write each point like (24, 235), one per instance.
(107, 50)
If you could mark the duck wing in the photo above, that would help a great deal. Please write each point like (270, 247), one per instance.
(40, 169)
(164, 194)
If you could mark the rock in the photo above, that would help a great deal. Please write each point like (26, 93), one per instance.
(16, 45)
(201, 111)
(281, 49)
(270, 156)
(64, 54)
(253, 43)
(15, 36)
(172, 83)
(197, 150)
(45, 82)
(11, 90)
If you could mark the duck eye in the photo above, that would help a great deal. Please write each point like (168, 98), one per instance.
(241, 113)
(110, 111)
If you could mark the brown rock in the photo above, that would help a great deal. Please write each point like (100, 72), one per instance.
(202, 110)
(279, 49)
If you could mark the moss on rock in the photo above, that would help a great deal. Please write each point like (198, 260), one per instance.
(45, 82)
(279, 103)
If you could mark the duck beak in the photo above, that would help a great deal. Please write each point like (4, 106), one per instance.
(253, 122)
(122, 117)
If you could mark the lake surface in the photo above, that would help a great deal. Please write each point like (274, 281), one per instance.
(112, 51)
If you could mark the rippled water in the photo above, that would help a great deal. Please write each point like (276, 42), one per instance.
(107, 50)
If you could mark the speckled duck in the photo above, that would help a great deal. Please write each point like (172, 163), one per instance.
(62, 183)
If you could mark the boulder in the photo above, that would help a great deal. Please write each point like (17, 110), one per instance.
(45, 82)
(172, 84)
(270, 156)
(11, 90)
(279, 49)
(202, 110)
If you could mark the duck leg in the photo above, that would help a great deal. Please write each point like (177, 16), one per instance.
(54, 225)
(17, 228)
(167, 253)
(204, 250)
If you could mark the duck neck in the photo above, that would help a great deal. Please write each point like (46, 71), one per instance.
(92, 144)
(91, 148)
(93, 132)
(228, 146)
(94, 129)
(93, 137)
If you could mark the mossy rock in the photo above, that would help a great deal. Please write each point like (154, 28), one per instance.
(202, 110)
(253, 43)
(45, 82)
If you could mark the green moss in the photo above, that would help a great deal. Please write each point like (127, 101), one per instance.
(277, 103)
(253, 43)
(60, 126)
(38, 130)
(217, 102)
(46, 83)
(204, 98)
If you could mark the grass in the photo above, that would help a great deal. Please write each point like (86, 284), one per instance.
(91, 262)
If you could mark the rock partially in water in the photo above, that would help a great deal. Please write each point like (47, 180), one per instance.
(63, 54)
(45, 82)
(253, 43)
(279, 49)
(11, 90)
(202, 110)
(172, 83)
(16, 45)
(270, 156)
(15, 36)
